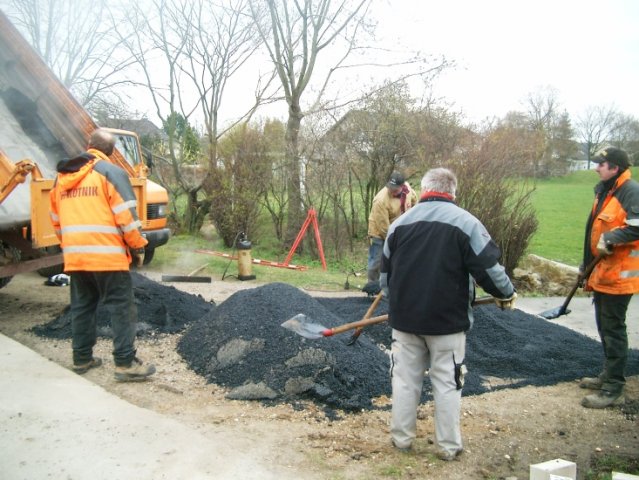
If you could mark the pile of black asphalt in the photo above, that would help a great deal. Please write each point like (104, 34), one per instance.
(242, 345)
(160, 308)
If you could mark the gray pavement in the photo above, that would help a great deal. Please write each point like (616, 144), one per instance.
(582, 316)
(56, 424)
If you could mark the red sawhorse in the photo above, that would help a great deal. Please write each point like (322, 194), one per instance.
(310, 218)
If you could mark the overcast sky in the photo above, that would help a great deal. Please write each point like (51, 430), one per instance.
(506, 49)
(587, 50)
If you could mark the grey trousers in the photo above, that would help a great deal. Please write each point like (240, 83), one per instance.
(444, 356)
(107, 294)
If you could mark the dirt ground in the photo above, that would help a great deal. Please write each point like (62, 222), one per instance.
(504, 431)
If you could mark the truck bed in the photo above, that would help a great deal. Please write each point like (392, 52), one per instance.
(23, 135)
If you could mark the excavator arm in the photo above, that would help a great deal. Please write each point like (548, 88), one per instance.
(12, 175)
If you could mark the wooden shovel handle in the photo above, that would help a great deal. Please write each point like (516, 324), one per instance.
(373, 306)
(382, 318)
(350, 326)
(369, 312)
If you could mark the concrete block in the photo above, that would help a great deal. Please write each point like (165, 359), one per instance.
(554, 468)
(624, 476)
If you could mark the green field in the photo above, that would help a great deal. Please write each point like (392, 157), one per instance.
(562, 205)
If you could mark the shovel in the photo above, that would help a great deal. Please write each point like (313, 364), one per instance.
(304, 325)
(563, 309)
(369, 312)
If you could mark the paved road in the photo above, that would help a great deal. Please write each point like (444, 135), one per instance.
(54, 424)
(582, 315)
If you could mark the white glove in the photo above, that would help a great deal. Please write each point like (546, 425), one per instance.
(506, 303)
(603, 247)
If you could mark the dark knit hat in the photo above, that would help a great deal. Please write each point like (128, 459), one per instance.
(396, 180)
(614, 156)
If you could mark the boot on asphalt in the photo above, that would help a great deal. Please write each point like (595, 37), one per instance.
(603, 399)
(135, 372)
(592, 383)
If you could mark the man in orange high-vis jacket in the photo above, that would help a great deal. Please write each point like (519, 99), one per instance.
(93, 211)
(612, 231)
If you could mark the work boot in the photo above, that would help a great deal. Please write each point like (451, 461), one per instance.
(592, 383)
(85, 367)
(603, 399)
(135, 372)
(447, 456)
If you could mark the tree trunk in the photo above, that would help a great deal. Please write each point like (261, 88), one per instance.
(294, 218)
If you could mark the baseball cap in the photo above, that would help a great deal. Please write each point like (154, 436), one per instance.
(613, 155)
(396, 180)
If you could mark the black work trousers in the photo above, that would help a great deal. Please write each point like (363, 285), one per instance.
(107, 294)
(610, 315)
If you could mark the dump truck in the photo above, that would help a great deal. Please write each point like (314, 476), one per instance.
(41, 123)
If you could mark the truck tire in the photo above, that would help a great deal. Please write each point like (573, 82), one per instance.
(53, 269)
(148, 255)
(13, 255)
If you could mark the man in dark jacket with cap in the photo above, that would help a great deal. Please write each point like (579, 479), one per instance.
(612, 231)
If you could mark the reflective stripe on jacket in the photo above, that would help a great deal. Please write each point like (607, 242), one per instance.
(617, 274)
(386, 209)
(93, 212)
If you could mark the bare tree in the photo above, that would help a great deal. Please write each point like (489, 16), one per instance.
(625, 134)
(595, 127)
(297, 33)
(75, 39)
(542, 109)
(187, 52)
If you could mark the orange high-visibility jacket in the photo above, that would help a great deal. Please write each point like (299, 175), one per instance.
(617, 274)
(93, 211)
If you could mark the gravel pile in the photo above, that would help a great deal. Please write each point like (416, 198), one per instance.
(161, 309)
(241, 344)
(505, 349)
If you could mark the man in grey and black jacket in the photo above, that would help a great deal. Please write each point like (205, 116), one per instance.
(432, 257)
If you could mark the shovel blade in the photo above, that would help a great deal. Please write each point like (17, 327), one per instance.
(554, 313)
(304, 326)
